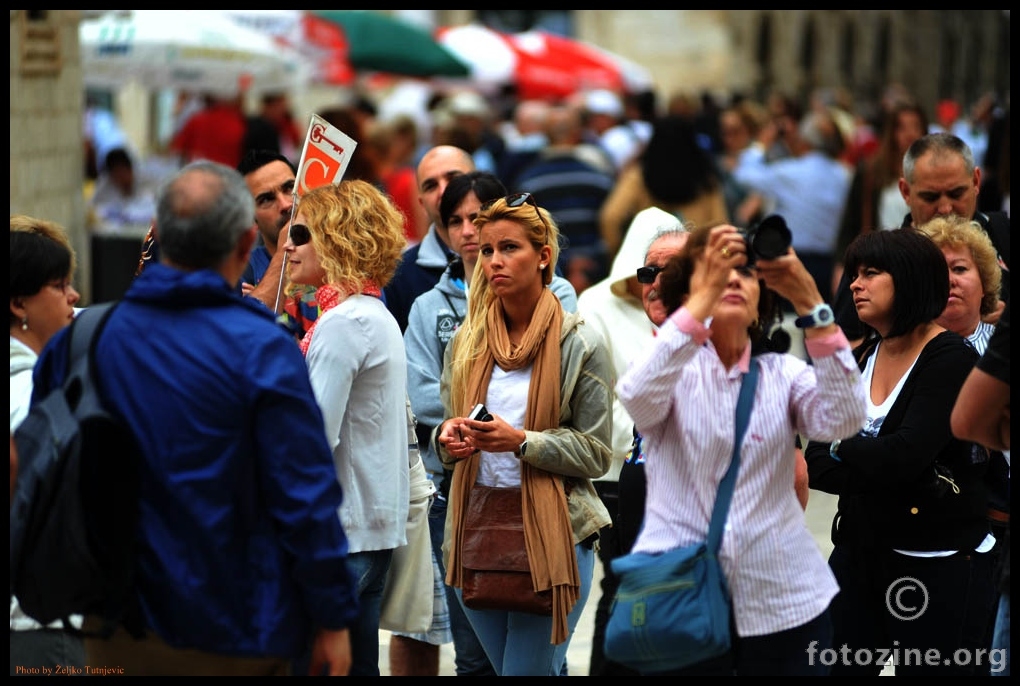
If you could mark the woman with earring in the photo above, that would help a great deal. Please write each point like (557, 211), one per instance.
(682, 394)
(911, 540)
(42, 303)
(346, 241)
(546, 379)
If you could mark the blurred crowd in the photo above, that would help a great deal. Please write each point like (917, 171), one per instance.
(333, 333)
(595, 159)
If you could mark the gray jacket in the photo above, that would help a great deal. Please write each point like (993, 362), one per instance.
(431, 323)
(579, 448)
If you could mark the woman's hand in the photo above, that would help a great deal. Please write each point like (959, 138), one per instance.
(725, 251)
(452, 439)
(493, 436)
(463, 437)
(788, 277)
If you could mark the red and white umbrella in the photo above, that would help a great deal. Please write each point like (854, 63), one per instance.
(541, 65)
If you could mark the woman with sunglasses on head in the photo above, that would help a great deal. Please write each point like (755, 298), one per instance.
(431, 323)
(546, 379)
(346, 241)
(912, 501)
(682, 394)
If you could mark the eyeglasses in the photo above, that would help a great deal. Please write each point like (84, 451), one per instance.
(646, 275)
(299, 234)
(517, 200)
(60, 285)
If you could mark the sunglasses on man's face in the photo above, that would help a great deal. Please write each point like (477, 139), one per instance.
(517, 200)
(299, 235)
(646, 275)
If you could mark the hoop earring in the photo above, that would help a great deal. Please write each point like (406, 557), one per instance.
(24, 323)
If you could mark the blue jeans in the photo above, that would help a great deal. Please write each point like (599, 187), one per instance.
(1000, 639)
(469, 656)
(517, 643)
(369, 569)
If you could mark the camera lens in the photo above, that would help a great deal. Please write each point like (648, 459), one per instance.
(771, 238)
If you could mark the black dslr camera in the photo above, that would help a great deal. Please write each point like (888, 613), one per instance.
(768, 239)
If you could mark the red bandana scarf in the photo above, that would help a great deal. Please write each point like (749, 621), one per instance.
(329, 296)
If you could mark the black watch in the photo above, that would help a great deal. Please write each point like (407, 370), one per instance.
(820, 315)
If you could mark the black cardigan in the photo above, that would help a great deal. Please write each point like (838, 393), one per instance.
(883, 482)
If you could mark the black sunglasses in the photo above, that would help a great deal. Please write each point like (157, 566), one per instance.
(517, 200)
(299, 234)
(646, 275)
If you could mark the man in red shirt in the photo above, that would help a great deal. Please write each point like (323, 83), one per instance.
(215, 132)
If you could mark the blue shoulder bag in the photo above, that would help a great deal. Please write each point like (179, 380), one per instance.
(672, 609)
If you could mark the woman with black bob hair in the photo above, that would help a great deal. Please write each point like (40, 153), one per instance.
(911, 496)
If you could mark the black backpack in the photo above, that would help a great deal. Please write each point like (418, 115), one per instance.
(75, 505)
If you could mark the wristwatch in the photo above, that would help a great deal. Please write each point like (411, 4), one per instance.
(522, 448)
(820, 315)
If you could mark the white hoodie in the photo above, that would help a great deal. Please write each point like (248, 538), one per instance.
(620, 317)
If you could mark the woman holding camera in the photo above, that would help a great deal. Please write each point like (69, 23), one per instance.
(911, 542)
(682, 394)
(546, 379)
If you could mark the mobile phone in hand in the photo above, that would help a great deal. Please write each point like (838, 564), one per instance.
(480, 414)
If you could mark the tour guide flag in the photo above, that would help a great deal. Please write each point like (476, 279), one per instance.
(324, 159)
(325, 156)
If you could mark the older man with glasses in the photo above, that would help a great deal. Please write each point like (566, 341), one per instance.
(615, 307)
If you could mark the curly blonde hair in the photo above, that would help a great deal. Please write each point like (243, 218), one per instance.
(956, 232)
(357, 232)
(472, 336)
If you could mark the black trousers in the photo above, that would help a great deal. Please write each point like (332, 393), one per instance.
(609, 547)
(940, 604)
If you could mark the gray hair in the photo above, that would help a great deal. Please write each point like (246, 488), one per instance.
(202, 211)
(941, 144)
(668, 231)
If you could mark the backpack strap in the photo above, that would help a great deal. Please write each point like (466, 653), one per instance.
(83, 334)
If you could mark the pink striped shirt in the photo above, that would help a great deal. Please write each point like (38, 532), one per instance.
(684, 402)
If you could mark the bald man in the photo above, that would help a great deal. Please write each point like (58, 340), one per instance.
(425, 262)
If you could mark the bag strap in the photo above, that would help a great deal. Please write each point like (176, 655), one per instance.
(725, 493)
(83, 332)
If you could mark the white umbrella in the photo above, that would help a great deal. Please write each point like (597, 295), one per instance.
(198, 50)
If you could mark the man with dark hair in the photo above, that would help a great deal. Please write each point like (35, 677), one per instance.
(270, 177)
(426, 261)
(940, 177)
(241, 557)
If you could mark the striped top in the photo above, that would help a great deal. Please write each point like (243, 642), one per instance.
(683, 402)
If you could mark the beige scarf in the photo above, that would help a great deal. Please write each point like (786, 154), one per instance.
(548, 536)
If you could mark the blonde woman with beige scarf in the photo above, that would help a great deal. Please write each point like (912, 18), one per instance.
(547, 380)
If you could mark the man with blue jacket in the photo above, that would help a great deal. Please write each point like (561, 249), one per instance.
(241, 557)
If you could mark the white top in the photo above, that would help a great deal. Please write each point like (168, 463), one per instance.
(358, 371)
(507, 397)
